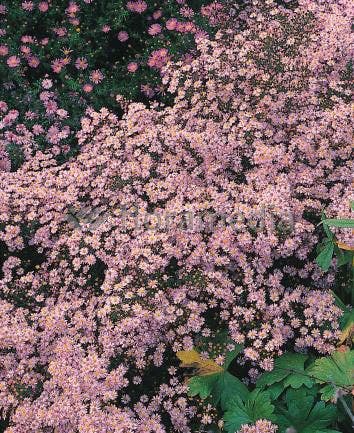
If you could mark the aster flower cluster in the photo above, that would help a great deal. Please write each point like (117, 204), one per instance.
(261, 426)
(85, 54)
(174, 220)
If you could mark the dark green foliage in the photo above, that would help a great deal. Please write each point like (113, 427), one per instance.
(256, 406)
(299, 411)
(299, 394)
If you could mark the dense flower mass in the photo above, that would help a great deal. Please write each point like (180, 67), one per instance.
(84, 50)
(174, 218)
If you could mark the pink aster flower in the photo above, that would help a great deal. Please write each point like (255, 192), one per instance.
(147, 90)
(25, 50)
(213, 11)
(10, 117)
(27, 39)
(3, 106)
(96, 76)
(106, 28)
(81, 63)
(57, 65)
(51, 107)
(190, 27)
(138, 6)
(160, 89)
(53, 135)
(72, 9)
(4, 50)
(158, 58)
(47, 83)
(63, 114)
(74, 21)
(3, 9)
(187, 12)
(132, 67)
(30, 115)
(123, 36)
(13, 61)
(187, 59)
(37, 129)
(45, 96)
(261, 426)
(60, 31)
(43, 6)
(87, 88)
(157, 14)
(65, 60)
(5, 163)
(33, 61)
(171, 24)
(180, 27)
(27, 6)
(154, 29)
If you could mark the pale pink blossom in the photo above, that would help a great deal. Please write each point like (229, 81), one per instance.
(13, 61)
(123, 36)
(132, 67)
(87, 88)
(171, 24)
(154, 29)
(138, 6)
(96, 76)
(81, 63)
(4, 50)
(27, 5)
(43, 6)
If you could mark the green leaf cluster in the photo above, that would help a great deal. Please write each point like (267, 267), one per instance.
(299, 395)
(221, 387)
(330, 246)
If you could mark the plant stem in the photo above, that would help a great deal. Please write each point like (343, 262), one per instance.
(347, 409)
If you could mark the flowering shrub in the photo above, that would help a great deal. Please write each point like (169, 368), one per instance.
(57, 58)
(174, 222)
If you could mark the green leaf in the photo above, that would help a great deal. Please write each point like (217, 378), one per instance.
(327, 230)
(337, 369)
(347, 319)
(339, 302)
(230, 356)
(327, 431)
(275, 390)
(324, 259)
(327, 392)
(257, 406)
(346, 325)
(202, 385)
(301, 414)
(236, 417)
(226, 388)
(344, 257)
(296, 380)
(221, 386)
(288, 368)
(343, 223)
